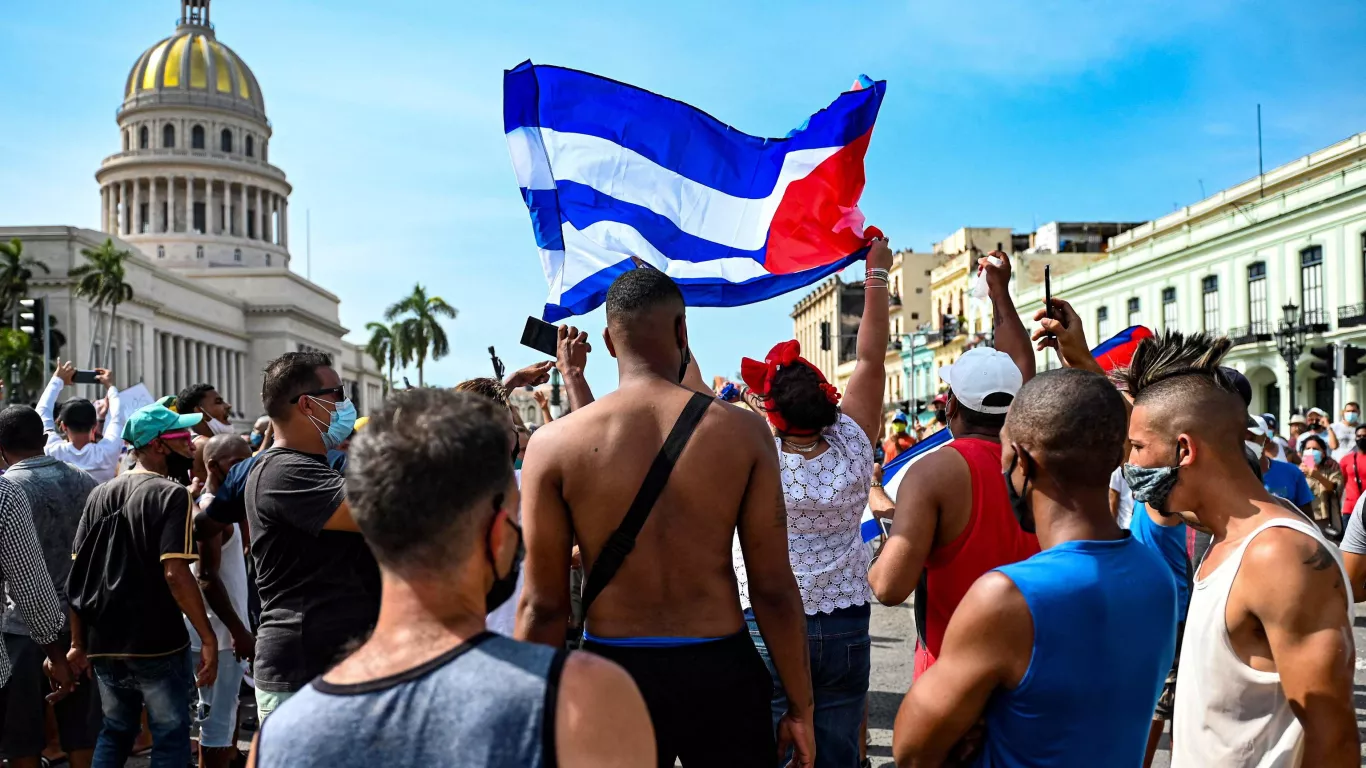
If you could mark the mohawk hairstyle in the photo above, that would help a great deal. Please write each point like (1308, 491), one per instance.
(1173, 356)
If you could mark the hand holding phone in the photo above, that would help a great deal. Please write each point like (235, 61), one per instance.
(540, 336)
(85, 377)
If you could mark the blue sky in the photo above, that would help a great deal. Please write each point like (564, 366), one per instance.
(387, 120)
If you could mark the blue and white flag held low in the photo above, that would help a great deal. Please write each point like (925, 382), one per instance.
(615, 176)
(895, 470)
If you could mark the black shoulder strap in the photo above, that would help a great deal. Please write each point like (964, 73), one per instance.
(623, 539)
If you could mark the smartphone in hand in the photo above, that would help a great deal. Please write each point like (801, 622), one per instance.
(541, 336)
(86, 377)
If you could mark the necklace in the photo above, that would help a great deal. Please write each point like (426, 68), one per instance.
(807, 448)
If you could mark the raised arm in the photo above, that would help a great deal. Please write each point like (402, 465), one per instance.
(987, 644)
(1291, 583)
(862, 400)
(543, 611)
(773, 593)
(1011, 336)
(112, 445)
(571, 356)
(896, 572)
(48, 400)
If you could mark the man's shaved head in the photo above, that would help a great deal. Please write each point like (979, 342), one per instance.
(1179, 383)
(1071, 422)
(640, 292)
(226, 448)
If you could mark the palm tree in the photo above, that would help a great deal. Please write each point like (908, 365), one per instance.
(382, 350)
(101, 281)
(420, 327)
(16, 270)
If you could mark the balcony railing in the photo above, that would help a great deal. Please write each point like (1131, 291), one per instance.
(895, 300)
(1351, 315)
(1316, 320)
(1250, 334)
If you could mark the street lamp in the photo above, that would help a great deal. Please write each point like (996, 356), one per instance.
(1290, 338)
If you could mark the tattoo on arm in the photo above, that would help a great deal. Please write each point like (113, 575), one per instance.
(1320, 560)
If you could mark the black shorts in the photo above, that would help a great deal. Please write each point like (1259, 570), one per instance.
(709, 702)
(25, 709)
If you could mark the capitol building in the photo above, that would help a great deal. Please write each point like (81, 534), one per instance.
(192, 193)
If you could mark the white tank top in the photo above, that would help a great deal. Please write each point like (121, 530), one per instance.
(1229, 715)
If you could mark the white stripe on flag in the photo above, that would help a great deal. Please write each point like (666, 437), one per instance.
(630, 177)
(891, 485)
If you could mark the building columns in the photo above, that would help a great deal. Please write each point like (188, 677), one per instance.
(284, 222)
(137, 206)
(242, 211)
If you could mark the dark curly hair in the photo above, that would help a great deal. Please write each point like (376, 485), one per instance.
(796, 394)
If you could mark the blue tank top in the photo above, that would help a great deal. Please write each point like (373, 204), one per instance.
(488, 703)
(1104, 636)
(1170, 543)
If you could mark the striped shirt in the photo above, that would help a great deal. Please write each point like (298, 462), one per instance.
(27, 582)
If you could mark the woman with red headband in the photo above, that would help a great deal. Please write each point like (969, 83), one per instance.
(825, 453)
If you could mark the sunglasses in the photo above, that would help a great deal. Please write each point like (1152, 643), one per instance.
(182, 435)
(339, 391)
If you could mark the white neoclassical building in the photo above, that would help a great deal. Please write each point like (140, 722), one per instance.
(193, 194)
(1229, 263)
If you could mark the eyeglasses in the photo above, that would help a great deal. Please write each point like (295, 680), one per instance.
(339, 391)
(182, 435)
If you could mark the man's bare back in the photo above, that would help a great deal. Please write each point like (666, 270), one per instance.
(583, 471)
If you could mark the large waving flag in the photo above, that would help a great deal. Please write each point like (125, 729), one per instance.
(614, 176)
(896, 469)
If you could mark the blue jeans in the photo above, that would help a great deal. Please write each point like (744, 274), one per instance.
(163, 684)
(840, 664)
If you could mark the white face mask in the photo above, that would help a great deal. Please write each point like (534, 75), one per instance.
(1256, 448)
(219, 428)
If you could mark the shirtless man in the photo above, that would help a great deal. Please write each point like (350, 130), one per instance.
(671, 615)
(1267, 656)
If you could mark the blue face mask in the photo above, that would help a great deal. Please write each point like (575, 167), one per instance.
(343, 421)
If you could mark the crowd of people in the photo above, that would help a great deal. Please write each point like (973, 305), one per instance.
(664, 574)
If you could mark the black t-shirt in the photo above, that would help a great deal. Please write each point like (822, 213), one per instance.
(117, 585)
(319, 589)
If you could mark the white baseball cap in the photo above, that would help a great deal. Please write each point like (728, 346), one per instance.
(1318, 412)
(1258, 426)
(980, 373)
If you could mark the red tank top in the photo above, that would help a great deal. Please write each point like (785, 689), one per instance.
(992, 538)
(1353, 480)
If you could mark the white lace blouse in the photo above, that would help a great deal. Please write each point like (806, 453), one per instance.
(825, 498)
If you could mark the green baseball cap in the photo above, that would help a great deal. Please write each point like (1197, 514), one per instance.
(152, 421)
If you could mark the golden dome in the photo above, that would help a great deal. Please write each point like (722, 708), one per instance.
(192, 68)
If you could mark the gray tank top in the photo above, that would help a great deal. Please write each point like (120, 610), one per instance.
(488, 703)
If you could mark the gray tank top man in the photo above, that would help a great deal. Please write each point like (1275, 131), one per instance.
(488, 703)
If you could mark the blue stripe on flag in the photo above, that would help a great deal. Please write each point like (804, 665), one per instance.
(583, 206)
(590, 292)
(544, 206)
(894, 467)
(675, 135)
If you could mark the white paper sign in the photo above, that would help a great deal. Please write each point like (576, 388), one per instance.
(134, 398)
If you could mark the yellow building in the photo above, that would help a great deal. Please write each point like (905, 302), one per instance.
(959, 322)
(826, 322)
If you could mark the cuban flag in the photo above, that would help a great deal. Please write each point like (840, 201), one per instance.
(895, 470)
(615, 176)
(1118, 350)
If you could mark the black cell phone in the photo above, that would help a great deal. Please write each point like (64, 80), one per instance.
(541, 336)
(85, 377)
(1048, 290)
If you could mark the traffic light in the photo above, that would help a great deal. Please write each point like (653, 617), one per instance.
(34, 320)
(1324, 364)
(1351, 360)
(31, 315)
